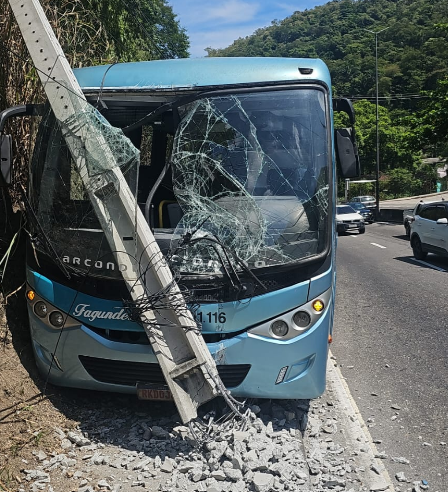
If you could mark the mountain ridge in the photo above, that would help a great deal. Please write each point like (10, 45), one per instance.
(412, 49)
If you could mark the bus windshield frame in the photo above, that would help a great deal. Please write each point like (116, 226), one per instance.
(257, 221)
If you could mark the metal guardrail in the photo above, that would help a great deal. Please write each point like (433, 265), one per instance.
(391, 215)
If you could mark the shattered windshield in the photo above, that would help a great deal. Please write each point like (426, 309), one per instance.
(64, 220)
(230, 182)
(251, 176)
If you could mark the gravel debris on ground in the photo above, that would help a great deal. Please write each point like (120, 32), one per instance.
(288, 445)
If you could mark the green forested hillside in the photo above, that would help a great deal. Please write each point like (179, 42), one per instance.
(412, 69)
(412, 52)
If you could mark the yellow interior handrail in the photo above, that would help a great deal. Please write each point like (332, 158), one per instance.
(161, 204)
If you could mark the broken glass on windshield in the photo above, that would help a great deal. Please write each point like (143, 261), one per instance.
(251, 175)
(67, 220)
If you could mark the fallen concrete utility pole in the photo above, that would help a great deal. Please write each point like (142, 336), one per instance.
(186, 362)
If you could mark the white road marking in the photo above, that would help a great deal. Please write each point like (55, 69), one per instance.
(429, 265)
(378, 245)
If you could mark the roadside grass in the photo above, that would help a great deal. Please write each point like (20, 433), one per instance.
(7, 479)
(27, 418)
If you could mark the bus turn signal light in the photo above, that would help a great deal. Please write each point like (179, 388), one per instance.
(31, 295)
(330, 338)
(318, 305)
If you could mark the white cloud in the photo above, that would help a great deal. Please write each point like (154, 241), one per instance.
(231, 11)
(288, 8)
(218, 39)
(197, 12)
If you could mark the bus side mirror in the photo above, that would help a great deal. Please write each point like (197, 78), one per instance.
(5, 160)
(344, 105)
(6, 140)
(347, 153)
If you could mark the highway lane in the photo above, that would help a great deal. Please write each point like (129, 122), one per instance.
(391, 324)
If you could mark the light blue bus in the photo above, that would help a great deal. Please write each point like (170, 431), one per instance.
(236, 178)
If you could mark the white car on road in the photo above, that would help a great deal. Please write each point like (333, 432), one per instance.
(348, 219)
(429, 230)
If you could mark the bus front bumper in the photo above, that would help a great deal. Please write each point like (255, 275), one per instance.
(249, 365)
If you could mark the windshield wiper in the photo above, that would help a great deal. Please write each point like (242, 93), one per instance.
(228, 251)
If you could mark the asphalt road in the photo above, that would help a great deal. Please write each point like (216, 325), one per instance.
(391, 324)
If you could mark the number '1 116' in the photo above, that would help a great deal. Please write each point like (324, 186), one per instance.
(211, 317)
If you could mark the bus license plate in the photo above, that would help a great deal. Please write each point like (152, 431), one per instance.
(145, 392)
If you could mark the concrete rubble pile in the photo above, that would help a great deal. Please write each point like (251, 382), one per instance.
(294, 445)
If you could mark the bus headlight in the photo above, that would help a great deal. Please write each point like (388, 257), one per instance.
(302, 319)
(279, 328)
(298, 321)
(48, 313)
(40, 308)
(56, 319)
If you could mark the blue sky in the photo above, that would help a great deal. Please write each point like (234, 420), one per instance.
(218, 23)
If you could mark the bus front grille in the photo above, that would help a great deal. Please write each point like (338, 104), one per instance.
(129, 373)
